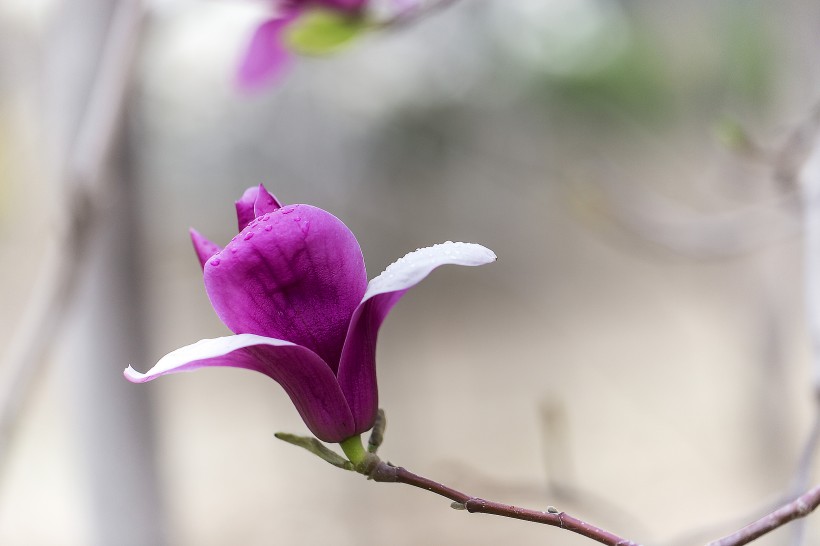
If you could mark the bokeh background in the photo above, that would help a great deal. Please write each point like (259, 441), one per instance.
(637, 356)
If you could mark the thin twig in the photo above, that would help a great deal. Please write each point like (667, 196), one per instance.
(702, 534)
(413, 14)
(44, 312)
(671, 225)
(396, 474)
(799, 508)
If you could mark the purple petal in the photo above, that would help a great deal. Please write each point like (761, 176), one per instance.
(256, 201)
(266, 58)
(203, 247)
(244, 207)
(357, 369)
(296, 273)
(308, 381)
(265, 202)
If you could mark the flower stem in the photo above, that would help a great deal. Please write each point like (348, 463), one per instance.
(355, 451)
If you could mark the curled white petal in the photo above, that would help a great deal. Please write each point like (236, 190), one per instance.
(414, 266)
(176, 361)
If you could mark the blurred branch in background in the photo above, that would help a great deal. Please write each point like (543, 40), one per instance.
(82, 188)
(797, 509)
(698, 235)
(91, 56)
(796, 167)
(803, 149)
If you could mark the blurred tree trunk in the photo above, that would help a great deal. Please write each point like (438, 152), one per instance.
(104, 328)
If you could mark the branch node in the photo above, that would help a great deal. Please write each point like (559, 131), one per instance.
(474, 504)
(383, 472)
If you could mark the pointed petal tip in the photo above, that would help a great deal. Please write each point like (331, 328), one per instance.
(414, 266)
(203, 247)
(481, 253)
(134, 376)
(265, 202)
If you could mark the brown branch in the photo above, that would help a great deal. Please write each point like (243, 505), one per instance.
(800, 507)
(395, 474)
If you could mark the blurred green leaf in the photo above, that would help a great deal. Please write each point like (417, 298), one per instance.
(636, 83)
(733, 136)
(320, 32)
(749, 51)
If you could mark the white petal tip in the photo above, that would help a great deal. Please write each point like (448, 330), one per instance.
(134, 376)
(412, 268)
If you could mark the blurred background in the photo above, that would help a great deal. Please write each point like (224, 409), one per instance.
(637, 356)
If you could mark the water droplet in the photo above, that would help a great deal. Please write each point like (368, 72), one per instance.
(266, 217)
(249, 236)
(268, 227)
(233, 250)
(297, 218)
(287, 210)
(215, 262)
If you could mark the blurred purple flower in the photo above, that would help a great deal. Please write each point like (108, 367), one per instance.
(267, 57)
(292, 286)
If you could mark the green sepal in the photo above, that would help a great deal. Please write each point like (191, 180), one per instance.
(322, 31)
(317, 448)
(377, 434)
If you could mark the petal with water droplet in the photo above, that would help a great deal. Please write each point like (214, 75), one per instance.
(292, 283)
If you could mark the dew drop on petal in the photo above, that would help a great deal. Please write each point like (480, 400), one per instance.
(215, 262)
(249, 236)
(268, 227)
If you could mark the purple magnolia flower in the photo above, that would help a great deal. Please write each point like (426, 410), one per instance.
(267, 57)
(292, 286)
